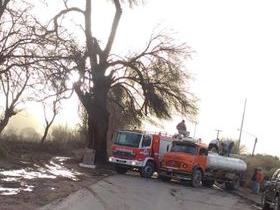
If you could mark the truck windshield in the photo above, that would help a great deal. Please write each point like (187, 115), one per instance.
(190, 149)
(128, 139)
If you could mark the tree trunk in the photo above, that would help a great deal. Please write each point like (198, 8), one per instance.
(90, 137)
(100, 120)
(45, 134)
(4, 122)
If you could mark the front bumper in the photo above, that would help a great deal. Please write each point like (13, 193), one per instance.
(126, 162)
(175, 174)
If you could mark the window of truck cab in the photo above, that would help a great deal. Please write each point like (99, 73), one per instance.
(203, 151)
(146, 141)
(184, 147)
(276, 174)
(129, 139)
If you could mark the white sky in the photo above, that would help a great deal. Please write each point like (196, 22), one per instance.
(237, 46)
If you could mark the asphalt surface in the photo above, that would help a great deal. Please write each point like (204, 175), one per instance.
(131, 192)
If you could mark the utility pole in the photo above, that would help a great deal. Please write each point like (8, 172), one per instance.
(241, 127)
(256, 140)
(218, 132)
(194, 133)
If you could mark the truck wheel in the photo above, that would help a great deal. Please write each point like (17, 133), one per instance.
(265, 205)
(234, 185)
(164, 178)
(208, 183)
(148, 170)
(121, 170)
(196, 178)
(276, 203)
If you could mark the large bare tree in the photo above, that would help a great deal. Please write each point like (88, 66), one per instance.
(150, 82)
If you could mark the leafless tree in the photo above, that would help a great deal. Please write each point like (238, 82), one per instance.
(49, 119)
(23, 53)
(52, 103)
(13, 83)
(151, 82)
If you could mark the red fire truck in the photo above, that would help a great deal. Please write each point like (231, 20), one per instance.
(138, 150)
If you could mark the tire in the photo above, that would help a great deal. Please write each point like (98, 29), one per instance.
(265, 205)
(148, 170)
(229, 186)
(213, 148)
(196, 178)
(234, 185)
(121, 170)
(164, 178)
(208, 183)
(276, 202)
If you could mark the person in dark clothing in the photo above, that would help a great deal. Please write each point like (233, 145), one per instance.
(226, 147)
(182, 129)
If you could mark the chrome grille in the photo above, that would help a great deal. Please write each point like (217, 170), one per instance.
(173, 163)
(123, 154)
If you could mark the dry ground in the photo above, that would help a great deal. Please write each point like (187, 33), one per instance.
(32, 176)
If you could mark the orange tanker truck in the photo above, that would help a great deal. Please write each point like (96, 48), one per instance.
(189, 160)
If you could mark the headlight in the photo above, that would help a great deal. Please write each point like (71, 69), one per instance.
(184, 165)
(133, 163)
(110, 159)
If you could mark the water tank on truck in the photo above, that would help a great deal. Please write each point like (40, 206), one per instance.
(215, 161)
(227, 170)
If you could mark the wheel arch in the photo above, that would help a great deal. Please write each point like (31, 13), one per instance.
(197, 167)
(149, 159)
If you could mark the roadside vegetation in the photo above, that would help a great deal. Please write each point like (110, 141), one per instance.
(267, 163)
(62, 141)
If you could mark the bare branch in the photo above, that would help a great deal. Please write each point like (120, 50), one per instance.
(113, 29)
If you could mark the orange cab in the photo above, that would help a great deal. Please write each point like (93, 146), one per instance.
(186, 160)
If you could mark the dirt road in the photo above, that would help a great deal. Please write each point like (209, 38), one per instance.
(121, 192)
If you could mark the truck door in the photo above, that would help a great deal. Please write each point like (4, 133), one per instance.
(273, 185)
(276, 184)
(155, 148)
(202, 158)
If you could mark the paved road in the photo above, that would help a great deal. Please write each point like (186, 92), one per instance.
(129, 192)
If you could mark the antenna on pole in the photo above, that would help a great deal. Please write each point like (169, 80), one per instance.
(241, 127)
(194, 132)
(218, 132)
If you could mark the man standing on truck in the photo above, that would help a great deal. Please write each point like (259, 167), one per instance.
(182, 129)
(227, 147)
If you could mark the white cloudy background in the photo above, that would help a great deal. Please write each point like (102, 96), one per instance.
(237, 56)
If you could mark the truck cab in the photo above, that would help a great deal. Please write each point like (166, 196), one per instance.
(186, 160)
(137, 150)
(271, 194)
